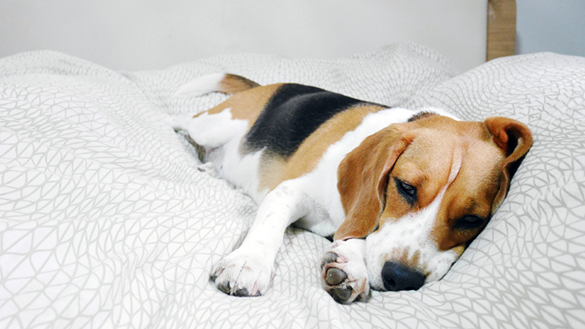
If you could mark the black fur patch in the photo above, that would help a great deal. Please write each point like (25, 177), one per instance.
(421, 115)
(293, 113)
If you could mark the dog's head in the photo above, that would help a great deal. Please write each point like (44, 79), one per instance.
(420, 192)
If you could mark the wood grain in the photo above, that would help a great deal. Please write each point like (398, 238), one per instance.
(501, 37)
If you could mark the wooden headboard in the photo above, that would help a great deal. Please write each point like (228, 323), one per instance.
(501, 32)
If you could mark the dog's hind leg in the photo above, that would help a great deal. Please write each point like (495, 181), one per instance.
(210, 130)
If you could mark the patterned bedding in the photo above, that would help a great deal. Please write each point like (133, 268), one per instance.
(105, 221)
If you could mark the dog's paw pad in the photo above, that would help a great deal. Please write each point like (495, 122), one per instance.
(344, 274)
(341, 295)
(335, 276)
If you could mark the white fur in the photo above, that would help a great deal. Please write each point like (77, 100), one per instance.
(321, 183)
(311, 200)
(200, 86)
(410, 233)
(351, 260)
(250, 267)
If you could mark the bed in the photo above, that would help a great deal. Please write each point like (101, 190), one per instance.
(105, 221)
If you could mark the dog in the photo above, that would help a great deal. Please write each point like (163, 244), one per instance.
(402, 192)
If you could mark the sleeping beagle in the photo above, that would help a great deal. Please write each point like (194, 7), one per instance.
(402, 191)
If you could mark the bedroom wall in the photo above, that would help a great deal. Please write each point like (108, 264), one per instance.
(556, 26)
(154, 34)
(150, 34)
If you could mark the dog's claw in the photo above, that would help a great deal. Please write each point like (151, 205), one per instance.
(242, 275)
(224, 287)
(335, 276)
(364, 297)
(328, 258)
(242, 292)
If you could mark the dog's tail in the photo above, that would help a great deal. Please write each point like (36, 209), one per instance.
(221, 82)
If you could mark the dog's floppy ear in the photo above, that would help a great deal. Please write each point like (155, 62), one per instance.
(515, 139)
(362, 179)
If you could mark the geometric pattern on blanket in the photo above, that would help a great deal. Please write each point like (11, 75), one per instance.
(528, 267)
(106, 222)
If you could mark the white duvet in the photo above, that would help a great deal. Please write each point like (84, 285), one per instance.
(105, 222)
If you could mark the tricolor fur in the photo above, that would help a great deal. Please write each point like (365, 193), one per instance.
(402, 191)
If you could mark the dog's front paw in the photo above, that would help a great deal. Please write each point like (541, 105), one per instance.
(344, 274)
(241, 274)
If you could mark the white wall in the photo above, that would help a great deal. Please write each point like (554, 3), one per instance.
(550, 25)
(154, 34)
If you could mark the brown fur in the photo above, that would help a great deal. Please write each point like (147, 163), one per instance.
(233, 84)
(275, 170)
(421, 153)
(363, 179)
(247, 104)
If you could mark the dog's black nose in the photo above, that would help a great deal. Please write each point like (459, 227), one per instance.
(397, 276)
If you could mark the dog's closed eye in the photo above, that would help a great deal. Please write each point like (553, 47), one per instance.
(469, 222)
(407, 191)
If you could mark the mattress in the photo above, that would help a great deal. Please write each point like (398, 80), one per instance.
(105, 221)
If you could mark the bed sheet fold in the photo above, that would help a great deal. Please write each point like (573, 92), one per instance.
(105, 220)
